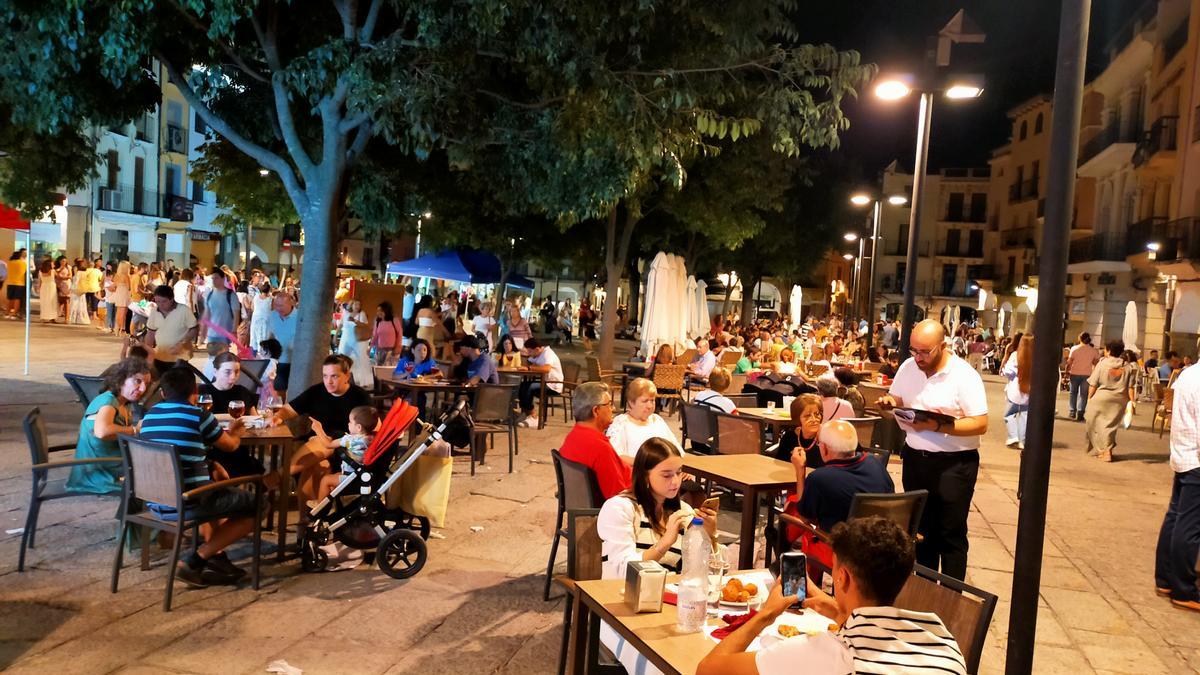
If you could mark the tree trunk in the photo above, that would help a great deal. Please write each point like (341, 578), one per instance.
(748, 297)
(615, 252)
(635, 292)
(315, 316)
(729, 298)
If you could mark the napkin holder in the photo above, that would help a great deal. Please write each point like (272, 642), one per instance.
(645, 582)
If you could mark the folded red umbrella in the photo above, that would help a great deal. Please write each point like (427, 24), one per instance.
(734, 622)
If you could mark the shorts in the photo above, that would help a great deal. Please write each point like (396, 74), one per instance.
(16, 292)
(223, 503)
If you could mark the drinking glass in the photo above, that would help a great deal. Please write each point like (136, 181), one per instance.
(205, 402)
(237, 409)
(717, 567)
(770, 407)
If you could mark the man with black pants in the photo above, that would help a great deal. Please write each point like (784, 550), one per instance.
(1179, 539)
(938, 456)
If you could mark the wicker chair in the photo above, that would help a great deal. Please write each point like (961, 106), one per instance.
(738, 435)
(668, 380)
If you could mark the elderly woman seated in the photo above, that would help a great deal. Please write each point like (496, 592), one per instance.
(639, 422)
(833, 408)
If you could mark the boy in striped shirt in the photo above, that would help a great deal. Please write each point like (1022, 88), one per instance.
(195, 434)
(872, 559)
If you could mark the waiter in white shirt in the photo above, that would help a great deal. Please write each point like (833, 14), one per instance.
(1179, 539)
(940, 457)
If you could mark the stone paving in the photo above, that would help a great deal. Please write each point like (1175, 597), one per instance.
(477, 605)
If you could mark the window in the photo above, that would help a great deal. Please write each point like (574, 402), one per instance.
(173, 176)
(954, 210)
(975, 244)
(200, 126)
(953, 237)
(1037, 124)
(1024, 130)
(197, 191)
(113, 164)
(978, 207)
(949, 277)
(1012, 272)
(900, 270)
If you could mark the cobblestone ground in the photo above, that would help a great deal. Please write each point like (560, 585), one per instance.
(477, 605)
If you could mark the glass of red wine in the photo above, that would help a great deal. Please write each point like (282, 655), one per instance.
(237, 409)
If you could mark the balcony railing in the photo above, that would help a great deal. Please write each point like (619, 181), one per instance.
(900, 248)
(1024, 190)
(1109, 135)
(1108, 246)
(962, 250)
(1019, 237)
(1176, 239)
(142, 202)
(176, 139)
(1161, 137)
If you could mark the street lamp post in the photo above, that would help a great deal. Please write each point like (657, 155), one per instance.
(876, 202)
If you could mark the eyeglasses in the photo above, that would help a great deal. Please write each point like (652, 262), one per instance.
(925, 353)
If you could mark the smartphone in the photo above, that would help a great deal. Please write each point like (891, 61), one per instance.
(793, 574)
(712, 503)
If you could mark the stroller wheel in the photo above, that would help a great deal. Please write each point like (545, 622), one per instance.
(312, 558)
(401, 554)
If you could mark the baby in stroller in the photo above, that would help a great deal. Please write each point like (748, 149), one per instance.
(362, 424)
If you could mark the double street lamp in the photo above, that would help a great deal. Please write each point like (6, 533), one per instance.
(864, 199)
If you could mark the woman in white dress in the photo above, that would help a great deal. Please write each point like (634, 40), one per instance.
(78, 315)
(47, 291)
(120, 295)
(260, 317)
(640, 423)
(357, 350)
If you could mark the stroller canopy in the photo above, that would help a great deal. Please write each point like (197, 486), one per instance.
(398, 419)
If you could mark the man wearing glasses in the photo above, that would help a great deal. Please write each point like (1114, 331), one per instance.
(941, 457)
(586, 443)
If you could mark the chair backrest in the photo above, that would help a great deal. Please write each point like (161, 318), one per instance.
(698, 423)
(152, 471)
(593, 369)
(667, 376)
(86, 387)
(871, 395)
(865, 426)
(686, 357)
(494, 403)
(817, 369)
(252, 373)
(583, 545)
(571, 371)
(882, 454)
(737, 435)
(382, 374)
(743, 400)
(902, 508)
(1168, 401)
(730, 357)
(35, 434)
(577, 486)
(871, 366)
(736, 382)
(965, 610)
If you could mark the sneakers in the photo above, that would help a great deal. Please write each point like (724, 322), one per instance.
(1187, 604)
(1105, 456)
(221, 565)
(529, 422)
(1162, 591)
(192, 577)
(1012, 442)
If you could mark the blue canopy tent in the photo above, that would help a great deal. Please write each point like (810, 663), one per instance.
(464, 265)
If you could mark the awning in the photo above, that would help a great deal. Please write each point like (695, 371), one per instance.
(10, 219)
(465, 265)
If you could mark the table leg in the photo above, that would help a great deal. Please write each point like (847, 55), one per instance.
(542, 404)
(284, 497)
(577, 642)
(746, 537)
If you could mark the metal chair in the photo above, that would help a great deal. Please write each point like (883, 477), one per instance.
(153, 474)
(494, 412)
(737, 435)
(577, 489)
(699, 427)
(743, 400)
(965, 610)
(865, 426)
(86, 387)
(252, 373)
(44, 488)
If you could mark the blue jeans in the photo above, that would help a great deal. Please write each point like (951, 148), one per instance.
(1179, 539)
(1077, 398)
(110, 315)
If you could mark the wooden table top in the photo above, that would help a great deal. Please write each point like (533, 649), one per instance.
(780, 416)
(427, 384)
(758, 471)
(283, 432)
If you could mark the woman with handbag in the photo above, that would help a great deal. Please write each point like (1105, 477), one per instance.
(386, 335)
(354, 342)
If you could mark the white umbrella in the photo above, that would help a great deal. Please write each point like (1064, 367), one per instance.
(796, 303)
(1129, 335)
(689, 307)
(665, 321)
(701, 321)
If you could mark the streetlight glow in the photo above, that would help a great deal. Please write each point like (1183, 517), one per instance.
(848, 256)
(428, 215)
(964, 91)
(850, 236)
(264, 173)
(897, 200)
(1153, 246)
(891, 90)
(860, 199)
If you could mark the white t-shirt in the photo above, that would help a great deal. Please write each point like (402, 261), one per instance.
(182, 296)
(955, 390)
(483, 324)
(627, 436)
(711, 398)
(548, 358)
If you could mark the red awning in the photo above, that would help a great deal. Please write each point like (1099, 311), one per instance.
(10, 219)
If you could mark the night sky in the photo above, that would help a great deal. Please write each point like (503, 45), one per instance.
(1017, 61)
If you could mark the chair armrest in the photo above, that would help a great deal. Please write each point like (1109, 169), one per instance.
(64, 446)
(216, 485)
(802, 522)
(75, 462)
(565, 581)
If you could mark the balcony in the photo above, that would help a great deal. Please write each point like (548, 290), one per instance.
(178, 208)
(1112, 136)
(1144, 232)
(1160, 138)
(176, 139)
(962, 250)
(900, 249)
(1019, 237)
(129, 199)
(1110, 247)
(1023, 191)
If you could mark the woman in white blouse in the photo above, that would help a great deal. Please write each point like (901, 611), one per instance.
(640, 423)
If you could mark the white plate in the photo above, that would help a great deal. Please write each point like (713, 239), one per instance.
(806, 621)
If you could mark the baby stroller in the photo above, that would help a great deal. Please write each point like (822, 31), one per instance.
(356, 514)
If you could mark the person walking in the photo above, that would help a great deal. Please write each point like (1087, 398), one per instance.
(18, 275)
(47, 292)
(941, 457)
(1175, 560)
(260, 317)
(119, 297)
(355, 346)
(1019, 372)
(1110, 391)
(1081, 361)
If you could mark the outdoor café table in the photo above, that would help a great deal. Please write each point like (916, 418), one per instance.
(752, 475)
(778, 419)
(652, 634)
(287, 437)
(437, 387)
(635, 368)
(527, 374)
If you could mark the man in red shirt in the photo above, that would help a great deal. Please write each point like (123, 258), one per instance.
(586, 443)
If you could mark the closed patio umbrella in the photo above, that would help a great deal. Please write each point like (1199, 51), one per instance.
(664, 320)
(702, 322)
(1129, 334)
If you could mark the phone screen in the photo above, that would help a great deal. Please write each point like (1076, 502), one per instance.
(793, 575)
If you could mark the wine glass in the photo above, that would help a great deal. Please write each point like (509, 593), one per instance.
(205, 402)
(237, 409)
(409, 368)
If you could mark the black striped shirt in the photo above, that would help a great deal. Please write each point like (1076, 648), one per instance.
(190, 430)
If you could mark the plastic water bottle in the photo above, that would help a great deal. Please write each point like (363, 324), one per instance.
(692, 602)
